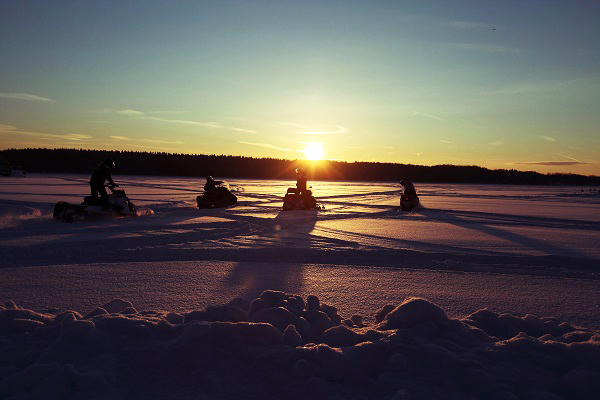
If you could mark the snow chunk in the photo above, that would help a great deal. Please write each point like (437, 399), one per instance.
(116, 306)
(291, 337)
(505, 326)
(383, 311)
(414, 311)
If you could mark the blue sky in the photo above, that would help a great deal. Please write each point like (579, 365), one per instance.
(503, 84)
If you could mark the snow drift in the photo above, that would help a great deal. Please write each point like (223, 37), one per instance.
(286, 346)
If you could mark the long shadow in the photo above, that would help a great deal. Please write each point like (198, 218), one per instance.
(288, 229)
(357, 195)
(250, 279)
(112, 239)
(452, 218)
(516, 220)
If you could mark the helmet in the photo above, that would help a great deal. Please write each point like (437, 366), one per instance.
(209, 178)
(299, 170)
(109, 163)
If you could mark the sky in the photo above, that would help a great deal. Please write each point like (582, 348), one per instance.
(500, 84)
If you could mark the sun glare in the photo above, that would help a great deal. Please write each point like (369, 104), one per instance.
(314, 151)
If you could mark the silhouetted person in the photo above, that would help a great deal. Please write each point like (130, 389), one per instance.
(211, 185)
(300, 180)
(409, 188)
(100, 175)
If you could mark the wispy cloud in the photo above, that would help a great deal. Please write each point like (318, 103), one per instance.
(552, 163)
(265, 145)
(161, 148)
(553, 86)
(467, 25)
(142, 115)
(386, 147)
(428, 116)
(244, 130)
(167, 112)
(131, 113)
(24, 96)
(496, 143)
(77, 137)
(569, 158)
(488, 48)
(314, 129)
(548, 138)
(185, 122)
(337, 129)
(157, 141)
(445, 141)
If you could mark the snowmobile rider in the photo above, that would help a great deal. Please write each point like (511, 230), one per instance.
(211, 185)
(300, 181)
(409, 188)
(100, 175)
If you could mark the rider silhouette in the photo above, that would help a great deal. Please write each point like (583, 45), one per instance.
(100, 175)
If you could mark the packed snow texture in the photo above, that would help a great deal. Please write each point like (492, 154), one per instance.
(478, 251)
(282, 346)
(518, 249)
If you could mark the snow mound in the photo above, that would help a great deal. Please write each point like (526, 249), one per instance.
(284, 346)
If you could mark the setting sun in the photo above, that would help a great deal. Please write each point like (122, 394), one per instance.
(314, 151)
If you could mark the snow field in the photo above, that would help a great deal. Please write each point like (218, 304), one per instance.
(477, 251)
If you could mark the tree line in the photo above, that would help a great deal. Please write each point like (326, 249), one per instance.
(200, 165)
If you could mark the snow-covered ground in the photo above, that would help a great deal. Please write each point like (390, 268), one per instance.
(509, 249)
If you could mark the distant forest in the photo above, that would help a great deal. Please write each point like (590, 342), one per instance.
(222, 166)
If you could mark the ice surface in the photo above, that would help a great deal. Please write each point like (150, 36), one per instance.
(507, 249)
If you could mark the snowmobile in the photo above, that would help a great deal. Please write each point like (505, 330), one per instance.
(117, 204)
(299, 201)
(220, 197)
(408, 199)
(408, 202)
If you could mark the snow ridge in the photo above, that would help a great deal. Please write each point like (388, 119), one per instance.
(284, 346)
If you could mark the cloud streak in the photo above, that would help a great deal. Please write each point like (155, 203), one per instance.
(77, 137)
(244, 130)
(24, 96)
(552, 163)
(488, 48)
(144, 116)
(428, 116)
(569, 158)
(467, 25)
(547, 87)
(265, 145)
(157, 141)
(185, 122)
(547, 138)
(131, 113)
(314, 129)
(337, 129)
